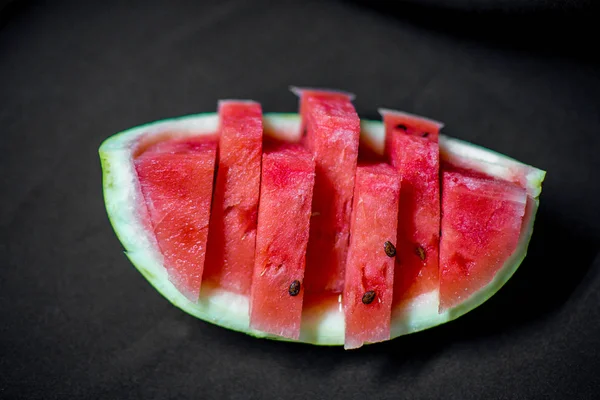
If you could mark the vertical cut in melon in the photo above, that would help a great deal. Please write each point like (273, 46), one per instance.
(368, 288)
(411, 145)
(232, 234)
(288, 175)
(481, 225)
(332, 135)
(176, 179)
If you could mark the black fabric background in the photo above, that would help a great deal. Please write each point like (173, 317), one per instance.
(78, 321)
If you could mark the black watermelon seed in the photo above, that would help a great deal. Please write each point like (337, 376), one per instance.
(294, 288)
(368, 297)
(389, 248)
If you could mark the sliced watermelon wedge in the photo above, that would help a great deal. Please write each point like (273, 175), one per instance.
(481, 228)
(369, 281)
(232, 231)
(322, 323)
(411, 145)
(176, 181)
(288, 175)
(332, 134)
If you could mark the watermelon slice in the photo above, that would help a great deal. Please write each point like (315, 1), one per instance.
(332, 134)
(305, 94)
(411, 145)
(369, 280)
(176, 180)
(286, 191)
(232, 233)
(322, 319)
(481, 228)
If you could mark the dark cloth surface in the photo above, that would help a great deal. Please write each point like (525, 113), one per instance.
(78, 321)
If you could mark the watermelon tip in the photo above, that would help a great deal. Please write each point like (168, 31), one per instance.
(298, 90)
(388, 111)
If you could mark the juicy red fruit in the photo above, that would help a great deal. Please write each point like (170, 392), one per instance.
(481, 226)
(294, 227)
(411, 145)
(176, 180)
(332, 135)
(368, 288)
(282, 236)
(232, 234)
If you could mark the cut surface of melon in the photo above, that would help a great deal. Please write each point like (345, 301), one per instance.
(323, 320)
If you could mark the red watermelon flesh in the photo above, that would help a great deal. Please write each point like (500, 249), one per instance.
(282, 236)
(232, 233)
(177, 143)
(176, 180)
(368, 288)
(481, 225)
(332, 135)
(411, 144)
(306, 93)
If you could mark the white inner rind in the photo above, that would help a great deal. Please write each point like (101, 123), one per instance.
(320, 325)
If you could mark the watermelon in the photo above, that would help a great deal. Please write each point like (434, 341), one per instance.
(369, 278)
(286, 192)
(481, 229)
(176, 181)
(305, 94)
(232, 230)
(411, 145)
(323, 317)
(332, 134)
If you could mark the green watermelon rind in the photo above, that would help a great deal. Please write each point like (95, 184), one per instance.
(230, 310)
